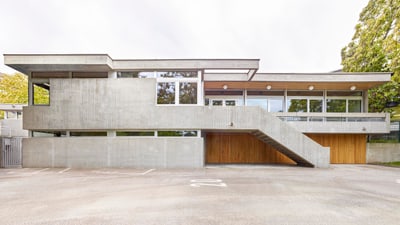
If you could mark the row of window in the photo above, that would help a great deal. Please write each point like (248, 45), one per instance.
(275, 104)
(167, 133)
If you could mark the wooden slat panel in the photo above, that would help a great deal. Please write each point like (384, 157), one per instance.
(241, 148)
(345, 148)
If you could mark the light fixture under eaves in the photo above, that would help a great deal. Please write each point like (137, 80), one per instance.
(311, 87)
(353, 87)
(269, 87)
(225, 87)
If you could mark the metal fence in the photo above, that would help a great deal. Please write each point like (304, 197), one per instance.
(392, 137)
(10, 152)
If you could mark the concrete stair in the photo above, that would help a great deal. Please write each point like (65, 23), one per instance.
(282, 149)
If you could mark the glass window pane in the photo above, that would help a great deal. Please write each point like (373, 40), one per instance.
(315, 105)
(87, 133)
(297, 105)
(187, 93)
(336, 105)
(230, 102)
(275, 105)
(177, 133)
(177, 74)
(263, 103)
(135, 133)
(133, 74)
(217, 102)
(166, 93)
(354, 106)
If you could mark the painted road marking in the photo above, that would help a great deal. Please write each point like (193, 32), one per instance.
(398, 181)
(65, 170)
(129, 174)
(148, 171)
(36, 172)
(207, 182)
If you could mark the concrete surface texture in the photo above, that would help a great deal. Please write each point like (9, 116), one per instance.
(343, 194)
(126, 152)
(383, 152)
(128, 104)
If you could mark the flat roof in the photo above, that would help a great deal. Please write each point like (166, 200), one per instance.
(214, 75)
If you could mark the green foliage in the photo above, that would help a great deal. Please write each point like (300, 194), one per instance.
(14, 90)
(375, 47)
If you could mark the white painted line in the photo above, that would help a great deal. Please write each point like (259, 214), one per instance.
(148, 171)
(398, 181)
(65, 170)
(206, 181)
(208, 184)
(36, 172)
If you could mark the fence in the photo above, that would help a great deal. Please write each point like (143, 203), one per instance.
(10, 152)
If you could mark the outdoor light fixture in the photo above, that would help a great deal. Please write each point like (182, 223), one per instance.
(311, 87)
(353, 87)
(269, 87)
(225, 87)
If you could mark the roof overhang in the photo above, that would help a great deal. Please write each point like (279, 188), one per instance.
(27, 63)
(297, 81)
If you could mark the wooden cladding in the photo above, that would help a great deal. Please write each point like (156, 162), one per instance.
(241, 148)
(345, 148)
(245, 148)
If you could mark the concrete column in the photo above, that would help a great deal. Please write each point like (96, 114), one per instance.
(30, 89)
(112, 74)
(112, 133)
(365, 101)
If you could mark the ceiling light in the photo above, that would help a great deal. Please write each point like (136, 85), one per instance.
(269, 87)
(311, 87)
(353, 87)
(225, 87)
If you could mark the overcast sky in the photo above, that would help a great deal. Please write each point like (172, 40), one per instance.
(287, 35)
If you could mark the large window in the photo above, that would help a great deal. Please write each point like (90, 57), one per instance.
(272, 101)
(305, 101)
(344, 101)
(188, 93)
(166, 93)
(178, 87)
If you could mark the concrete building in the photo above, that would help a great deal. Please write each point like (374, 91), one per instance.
(11, 125)
(174, 113)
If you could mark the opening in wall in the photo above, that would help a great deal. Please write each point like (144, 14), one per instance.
(136, 133)
(41, 94)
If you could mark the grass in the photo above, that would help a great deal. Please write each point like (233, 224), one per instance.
(394, 164)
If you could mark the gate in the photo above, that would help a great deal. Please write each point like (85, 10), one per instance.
(10, 152)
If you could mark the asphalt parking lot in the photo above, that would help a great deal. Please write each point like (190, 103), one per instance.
(342, 194)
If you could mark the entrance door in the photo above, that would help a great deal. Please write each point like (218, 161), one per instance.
(10, 152)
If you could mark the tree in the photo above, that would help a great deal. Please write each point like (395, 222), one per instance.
(14, 90)
(375, 47)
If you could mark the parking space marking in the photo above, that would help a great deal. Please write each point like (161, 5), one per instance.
(65, 170)
(148, 171)
(207, 182)
(38, 171)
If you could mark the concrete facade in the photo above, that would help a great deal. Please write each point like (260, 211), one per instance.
(121, 152)
(81, 101)
(383, 152)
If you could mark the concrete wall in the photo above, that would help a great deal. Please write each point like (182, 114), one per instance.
(383, 152)
(12, 128)
(129, 104)
(127, 152)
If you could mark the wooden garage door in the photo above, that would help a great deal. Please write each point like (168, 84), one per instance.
(345, 148)
(241, 148)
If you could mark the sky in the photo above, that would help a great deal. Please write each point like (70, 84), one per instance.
(286, 35)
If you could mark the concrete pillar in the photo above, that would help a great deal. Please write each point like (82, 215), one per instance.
(30, 89)
(112, 133)
(365, 101)
(112, 74)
